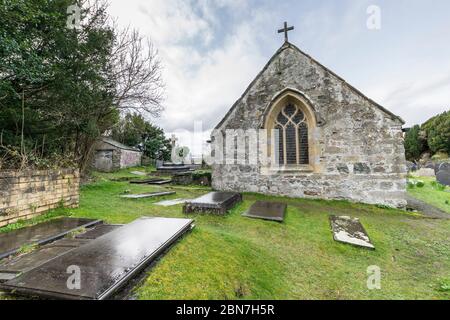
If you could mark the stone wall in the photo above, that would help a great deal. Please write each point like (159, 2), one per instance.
(26, 194)
(357, 146)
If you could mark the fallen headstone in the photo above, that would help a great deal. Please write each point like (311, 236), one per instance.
(272, 211)
(214, 202)
(350, 230)
(105, 264)
(147, 195)
(39, 234)
(170, 203)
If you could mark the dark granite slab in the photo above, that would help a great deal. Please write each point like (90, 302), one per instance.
(68, 242)
(27, 262)
(98, 231)
(39, 234)
(350, 230)
(272, 211)
(105, 264)
(147, 195)
(214, 202)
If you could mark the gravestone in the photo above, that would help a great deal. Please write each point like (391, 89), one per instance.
(105, 264)
(148, 195)
(214, 202)
(170, 203)
(443, 177)
(272, 211)
(42, 233)
(444, 166)
(350, 230)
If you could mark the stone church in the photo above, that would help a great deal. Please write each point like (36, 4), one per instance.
(331, 141)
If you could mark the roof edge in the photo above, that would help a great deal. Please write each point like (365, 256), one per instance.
(287, 45)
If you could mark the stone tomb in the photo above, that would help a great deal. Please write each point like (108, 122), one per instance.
(148, 195)
(106, 263)
(273, 211)
(214, 202)
(12, 242)
(349, 230)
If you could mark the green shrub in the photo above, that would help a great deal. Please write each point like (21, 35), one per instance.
(420, 184)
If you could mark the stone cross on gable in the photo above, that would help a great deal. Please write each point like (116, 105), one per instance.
(285, 30)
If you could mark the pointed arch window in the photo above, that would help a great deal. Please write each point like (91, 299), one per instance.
(292, 136)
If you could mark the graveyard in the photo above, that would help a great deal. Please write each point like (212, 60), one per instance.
(231, 256)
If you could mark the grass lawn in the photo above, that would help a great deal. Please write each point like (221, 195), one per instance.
(233, 257)
(428, 194)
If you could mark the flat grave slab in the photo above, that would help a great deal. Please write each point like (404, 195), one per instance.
(147, 195)
(7, 276)
(151, 181)
(105, 264)
(169, 203)
(214, 202)
(98, 231)
(350, 230)
(272, 211)
(12, 242)
(138, 173)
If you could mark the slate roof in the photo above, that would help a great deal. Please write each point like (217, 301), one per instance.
(119, 145)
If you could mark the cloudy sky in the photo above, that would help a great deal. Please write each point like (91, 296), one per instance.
(212, 49)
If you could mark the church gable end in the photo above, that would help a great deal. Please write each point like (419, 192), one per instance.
(334, 142)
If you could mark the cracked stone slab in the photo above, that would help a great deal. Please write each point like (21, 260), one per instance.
(350, 230)
(272, 211)
(148, 195)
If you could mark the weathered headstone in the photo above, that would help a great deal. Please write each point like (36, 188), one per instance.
(444, 166)
(214, 202)
(443, 177)
(273, 211)
(350, 230)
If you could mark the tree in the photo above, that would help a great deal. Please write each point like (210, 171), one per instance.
(438, 133)
(414, 144)
(134, 130)
(61, 88)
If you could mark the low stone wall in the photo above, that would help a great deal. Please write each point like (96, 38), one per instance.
(26, 194)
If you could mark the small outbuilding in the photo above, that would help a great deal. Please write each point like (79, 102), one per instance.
(111, 155)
